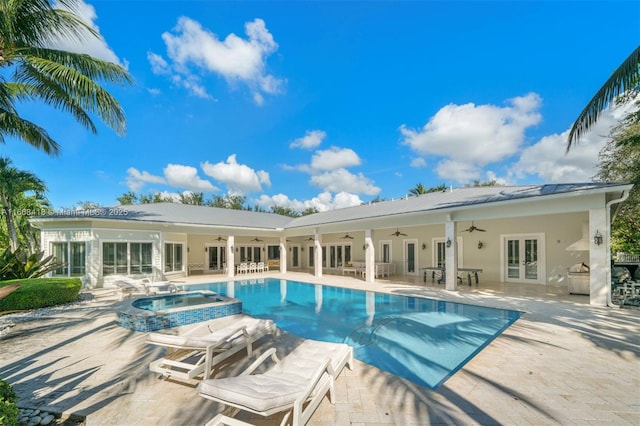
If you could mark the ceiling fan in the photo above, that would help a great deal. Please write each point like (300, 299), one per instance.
(398, 233)
(346, 237)
(220, 239)
(257, 239)
(473, 228)
(309, 239)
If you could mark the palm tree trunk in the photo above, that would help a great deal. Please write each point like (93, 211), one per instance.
(11, 229)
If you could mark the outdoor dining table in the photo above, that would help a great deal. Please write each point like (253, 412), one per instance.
(442, 279)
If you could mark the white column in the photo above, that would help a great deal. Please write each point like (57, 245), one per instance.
(598, 260)
(283, 254)
(451, 258)
(369, 256)
(317, 253)
(231, 257)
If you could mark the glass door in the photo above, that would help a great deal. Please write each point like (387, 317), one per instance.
(523, 259)
(295, 256)
(410, 260)
(216, 257)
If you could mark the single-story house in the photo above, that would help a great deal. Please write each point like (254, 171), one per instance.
(518, 234)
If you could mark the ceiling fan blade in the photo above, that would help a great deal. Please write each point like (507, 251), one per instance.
(481, 230)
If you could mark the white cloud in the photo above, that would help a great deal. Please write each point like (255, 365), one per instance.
(136, 179)
(158, 64)
(311, 139)
(547, 160)
(239, 178)
(180, 176)
(418, 162)
(236, 59)
(474, 135)
(342, 180)
(96, 47)
(458, 171)
(334, 158)
(322, 202)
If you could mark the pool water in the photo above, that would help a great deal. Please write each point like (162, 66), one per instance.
(422, 340)
(162, 303)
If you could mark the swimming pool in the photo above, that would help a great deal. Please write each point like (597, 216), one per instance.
(422, 340)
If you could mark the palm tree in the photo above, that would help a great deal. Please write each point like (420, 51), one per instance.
(64, 80)
(419, 189)
(13, 184)
(625, 78)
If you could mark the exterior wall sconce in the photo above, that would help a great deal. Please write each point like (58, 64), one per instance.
(231, 248)
(597, 239)
(424, 246)
(206, 248)
(301, 248)
(480, 245)
(448, 242)
(365, 246)
(236, 249)
(187, 249)
(290, 248)
(264, 249)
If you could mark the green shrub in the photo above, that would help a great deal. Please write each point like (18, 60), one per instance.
(8, 409)
(40, 292)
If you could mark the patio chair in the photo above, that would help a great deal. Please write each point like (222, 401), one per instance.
(198, 351)
(253, 267)
(243, 268)
(260, 266)
(144, 286)
(296, 384)
(129, 286)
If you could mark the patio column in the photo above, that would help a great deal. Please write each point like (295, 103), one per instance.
(283, 254)
(369, 256)
(317, 254)
(598, 259)
(231, 257)
(451, 258)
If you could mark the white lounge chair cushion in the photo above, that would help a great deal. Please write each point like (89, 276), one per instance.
(261, 393)
(221, 336)
(309, 352)
(281, 385)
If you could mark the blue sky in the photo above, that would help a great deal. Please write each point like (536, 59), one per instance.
(330, 104)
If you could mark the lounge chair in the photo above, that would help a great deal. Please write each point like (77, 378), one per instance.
(296, 384)
(129, 286)
(198, 351)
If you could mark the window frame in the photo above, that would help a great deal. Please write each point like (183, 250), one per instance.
(69, 259)
(169, 264)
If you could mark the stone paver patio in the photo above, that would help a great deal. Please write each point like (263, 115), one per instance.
(563, 362)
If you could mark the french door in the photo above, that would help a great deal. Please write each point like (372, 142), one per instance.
(523, 258)
(216, 257)
(410, 258)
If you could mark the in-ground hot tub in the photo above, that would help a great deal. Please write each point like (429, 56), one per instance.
(173, 310)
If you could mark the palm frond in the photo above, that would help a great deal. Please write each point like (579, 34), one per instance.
(38, 22)
(82, 92)
(626, 77)
(12, 124)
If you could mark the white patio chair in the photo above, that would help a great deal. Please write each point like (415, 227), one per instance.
(260, 266)
(196, 352)
(296, 384)
(253, 267)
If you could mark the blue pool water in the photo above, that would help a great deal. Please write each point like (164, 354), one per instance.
(423, 340)
(162, 303)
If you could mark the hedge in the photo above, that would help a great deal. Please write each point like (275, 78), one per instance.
(40, 292)
(8, 409)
